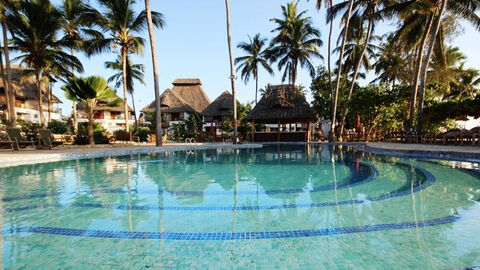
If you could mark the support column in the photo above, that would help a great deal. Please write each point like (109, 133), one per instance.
(253, 131)
(308, 132)
(278, 131)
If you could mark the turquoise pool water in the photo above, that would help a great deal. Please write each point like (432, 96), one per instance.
(284, 206)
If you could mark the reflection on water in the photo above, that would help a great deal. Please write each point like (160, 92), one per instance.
(276, 188)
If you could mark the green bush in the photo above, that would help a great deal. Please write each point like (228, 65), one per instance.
(58, 127)
(28, 126)
(99, 134)
(143, 133)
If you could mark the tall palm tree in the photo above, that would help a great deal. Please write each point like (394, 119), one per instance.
(256, 56)
(296, 43)
(7, 78)
(90, 90)
(346, 20)
(122, 23)
(367, 13)
(153, 47)
(328, 4)
(232, 71)
(34, 27)
(134, 73)
(76, 23)
(468, 85)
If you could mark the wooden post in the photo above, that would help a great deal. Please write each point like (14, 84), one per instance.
(308, 131)
(253, 131)
(278, 131)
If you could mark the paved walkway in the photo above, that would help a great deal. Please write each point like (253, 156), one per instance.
(426, 147)
(23, 157)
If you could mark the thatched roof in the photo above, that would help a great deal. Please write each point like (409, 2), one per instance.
(186, 95)
(25, 87)
(221, 106)
(102, 106)
(284, 103)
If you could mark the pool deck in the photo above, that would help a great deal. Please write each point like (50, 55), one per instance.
(25, 157)
(447, 152)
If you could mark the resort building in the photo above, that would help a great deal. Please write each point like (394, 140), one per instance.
(218, 111)
(26, 99)
(285, 113)
(110, 117)
(186, 98)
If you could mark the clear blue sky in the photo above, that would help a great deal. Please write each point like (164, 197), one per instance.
(193, 44)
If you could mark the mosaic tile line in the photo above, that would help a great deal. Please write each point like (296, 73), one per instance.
(224, 236)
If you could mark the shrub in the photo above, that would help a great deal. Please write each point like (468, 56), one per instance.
(143, 133)
(28, 126)
(99, 134)
(58, 127)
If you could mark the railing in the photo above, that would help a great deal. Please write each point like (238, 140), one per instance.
(190, 140)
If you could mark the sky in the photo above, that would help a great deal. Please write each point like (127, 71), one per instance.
(193, 44)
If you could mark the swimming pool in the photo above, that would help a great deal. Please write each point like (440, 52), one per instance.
(283, 206)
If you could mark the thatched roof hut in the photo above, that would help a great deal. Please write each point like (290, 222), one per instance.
(187, 95)
(25, 87)
(221, 106)
(282, 104)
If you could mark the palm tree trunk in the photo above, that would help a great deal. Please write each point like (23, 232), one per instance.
(432, 40)
(134, 111)
(256, 89)
(49, 92)
(8, 86)
(294, 75)
(355, 74)
(40, 98)
(232, 72)
(416, 79)
(89, 109)
(125, 90)
(4, 82)
(74, 103)
(158, 112)
(330, 57)
(339, 75)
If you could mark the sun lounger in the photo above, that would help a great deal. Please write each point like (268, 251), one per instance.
(9, 144)
(125, 137)
(470, 136)
(20, 141)
(47, 139)
(451, 136)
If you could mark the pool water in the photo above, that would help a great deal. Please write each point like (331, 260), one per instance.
(281, 206)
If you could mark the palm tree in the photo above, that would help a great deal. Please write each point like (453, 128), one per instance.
(256, 55)
(328, 4)
(90, 90)
(158, 112)
(297, 42)
(232, 71)
(339, 71)
(7, 78)
(34, 27)
(392, 65)
(122, 23)
(77, 19)
(134, 72)
(468, 85)
(366, 11)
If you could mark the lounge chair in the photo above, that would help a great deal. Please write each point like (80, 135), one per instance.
(46, 137)
(19, 140)
(6, 143)
(124, 136)
(451, 136)
(470, 136)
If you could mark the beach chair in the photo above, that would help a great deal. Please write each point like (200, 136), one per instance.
(451, 136)
(47, 139)
(124, 136)
(19, 140)
(470, 136)
(9, 144)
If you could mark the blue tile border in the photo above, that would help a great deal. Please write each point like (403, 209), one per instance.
(224, 236)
